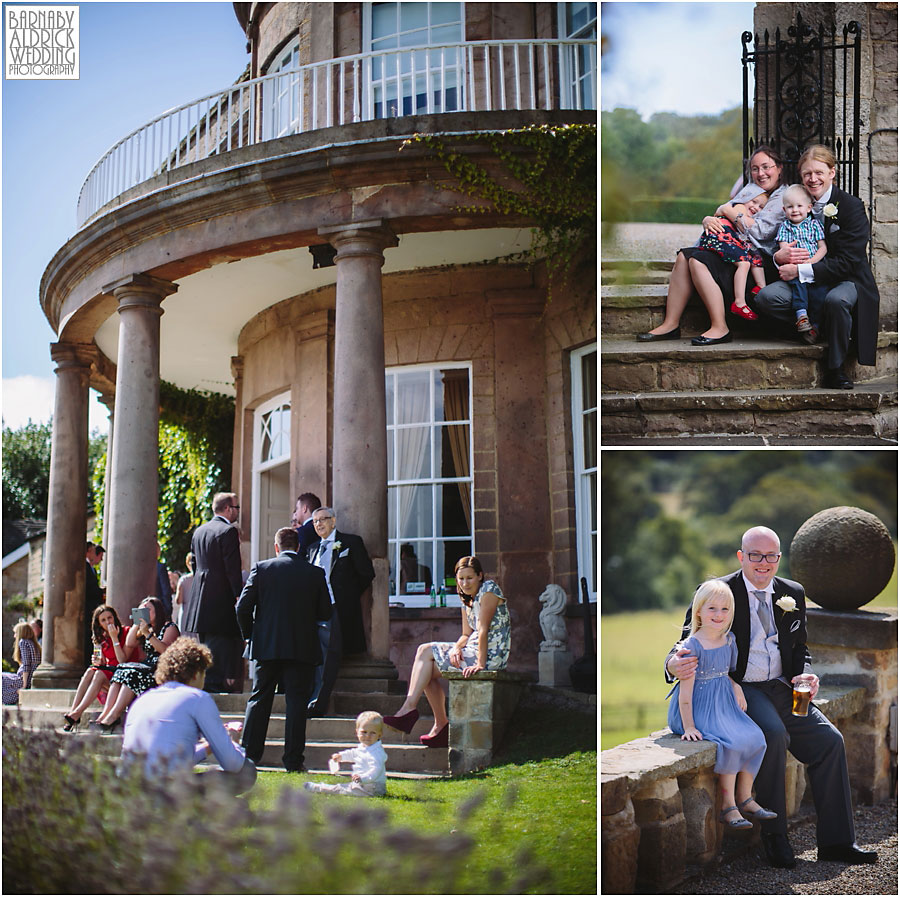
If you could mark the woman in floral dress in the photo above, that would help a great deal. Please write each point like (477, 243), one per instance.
(483, 645)
(27, 654)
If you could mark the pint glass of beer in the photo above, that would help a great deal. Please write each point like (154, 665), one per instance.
(801, 699)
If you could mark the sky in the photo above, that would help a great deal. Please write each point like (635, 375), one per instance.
(673, 57)
(137, 60)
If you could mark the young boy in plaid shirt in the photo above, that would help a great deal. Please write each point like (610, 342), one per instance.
(801, 229)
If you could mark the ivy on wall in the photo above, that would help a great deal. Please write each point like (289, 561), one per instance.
(549, 175)
(196, 430)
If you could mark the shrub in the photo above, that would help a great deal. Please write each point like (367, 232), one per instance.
(71, 825)
(671, 211)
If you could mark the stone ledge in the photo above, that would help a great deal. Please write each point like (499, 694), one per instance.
(872, 630)
(489, 676)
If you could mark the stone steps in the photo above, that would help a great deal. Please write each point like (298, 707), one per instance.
(761, 390)
(41, 708)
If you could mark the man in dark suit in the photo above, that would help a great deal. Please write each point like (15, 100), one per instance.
(278, 610)
(349, 571)
(93, 594)
(302, 519)
(769, 627)
(209, 611)
(852, 300)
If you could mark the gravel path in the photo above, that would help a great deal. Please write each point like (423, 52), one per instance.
(748, 873)
(649, 241)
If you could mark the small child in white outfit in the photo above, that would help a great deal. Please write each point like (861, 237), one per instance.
(369, 759)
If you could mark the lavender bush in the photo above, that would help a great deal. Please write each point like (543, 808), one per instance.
(71, 825)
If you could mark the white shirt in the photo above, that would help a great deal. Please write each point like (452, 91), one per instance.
(805, 271)
(764, 659)
(369, 763)
(323, 559)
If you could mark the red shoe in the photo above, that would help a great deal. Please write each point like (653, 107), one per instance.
(754, 290)
(743, 311)
(404, 722)
(440, 739)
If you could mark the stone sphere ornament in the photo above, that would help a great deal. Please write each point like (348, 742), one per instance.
(843, 556)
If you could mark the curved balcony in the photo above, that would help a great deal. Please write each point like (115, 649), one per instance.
(483, 76)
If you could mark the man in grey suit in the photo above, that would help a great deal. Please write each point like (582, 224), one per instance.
(769, 628)
(209, 612)
(282, 602)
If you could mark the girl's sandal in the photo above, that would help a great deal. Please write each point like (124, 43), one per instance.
(743, 311)
(734, 823)
(761, 814)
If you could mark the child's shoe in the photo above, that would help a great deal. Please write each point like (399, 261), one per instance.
(810, 336)
(743, 311)
(761, 814)
(754, 290)
(803, 324)
(734, 823)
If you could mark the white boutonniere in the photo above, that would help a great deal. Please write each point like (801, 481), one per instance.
(787, 604)
(337, 545)
(830, 210)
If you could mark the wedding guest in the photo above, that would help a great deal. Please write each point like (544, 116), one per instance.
(27, 654)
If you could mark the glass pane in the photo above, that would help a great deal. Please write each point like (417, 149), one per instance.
(391, 436)
(441, 13)
(416, 565)
(413, 15)
(592, 485)
(414, 513)
(589, 381)
(592, 583)
(389, 398)
(449, 34)
(454, 549)
(590, 439)
(451, 395)
(413, 398)
(451, 512)
(392, 511)
(384, 19)
(413, 453)
(452, 451)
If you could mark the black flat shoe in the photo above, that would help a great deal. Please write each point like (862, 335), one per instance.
(835, 378)
(653, 337)
(847, 853)
(710, 340)
(778, 850)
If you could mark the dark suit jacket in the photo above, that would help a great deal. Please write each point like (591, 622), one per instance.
(280, 605)
(790, 626)
(308, 536)
(351, 574)
(217, 580)
(846, 236)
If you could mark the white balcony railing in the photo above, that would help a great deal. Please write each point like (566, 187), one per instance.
(471, 77)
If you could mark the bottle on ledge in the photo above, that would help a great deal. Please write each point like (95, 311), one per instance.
(433, 596)
(443, 595)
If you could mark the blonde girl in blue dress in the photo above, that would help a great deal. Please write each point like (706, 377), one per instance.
(711, 706)
(483, 645)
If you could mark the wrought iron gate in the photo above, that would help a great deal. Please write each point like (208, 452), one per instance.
(805, 90)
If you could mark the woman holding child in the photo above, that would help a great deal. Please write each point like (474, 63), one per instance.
(711, 274)
(483, 645)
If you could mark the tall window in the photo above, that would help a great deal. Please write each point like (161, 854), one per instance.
(429, 478)
(281, 96)
(272, 504)
(578, 21)
(405, 83)
(584, 425)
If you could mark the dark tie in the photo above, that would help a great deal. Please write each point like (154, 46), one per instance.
(762, 609)
(818, 205)
(320, 553)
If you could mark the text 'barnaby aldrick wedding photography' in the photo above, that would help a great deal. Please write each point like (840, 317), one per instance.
(42, 42)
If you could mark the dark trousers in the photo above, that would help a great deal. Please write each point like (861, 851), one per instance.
(325, 675)
(814, 741)
(227, 661)
(296, 679)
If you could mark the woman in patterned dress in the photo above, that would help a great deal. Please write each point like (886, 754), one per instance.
(483, 645)
(132, 679)
(27, 654)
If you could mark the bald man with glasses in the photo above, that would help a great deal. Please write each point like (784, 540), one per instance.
(770, 630)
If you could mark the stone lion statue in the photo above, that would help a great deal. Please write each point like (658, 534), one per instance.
(552, 618)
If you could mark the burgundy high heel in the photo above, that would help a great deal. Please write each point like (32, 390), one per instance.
(440, 739)
(404, 722)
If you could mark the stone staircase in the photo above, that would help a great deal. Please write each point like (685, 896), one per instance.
(750, 391)
(41, 707)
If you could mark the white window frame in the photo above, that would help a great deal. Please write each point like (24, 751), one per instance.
(395, 541)
(570, 71)
(583, 530)
(286, 60)
(433, 70)
(258, 467)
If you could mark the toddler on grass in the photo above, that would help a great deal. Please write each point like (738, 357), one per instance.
(369, 759)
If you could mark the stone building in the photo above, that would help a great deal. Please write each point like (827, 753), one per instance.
(388, 349)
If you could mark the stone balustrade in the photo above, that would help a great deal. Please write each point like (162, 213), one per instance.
(658, 796)
(480, 708)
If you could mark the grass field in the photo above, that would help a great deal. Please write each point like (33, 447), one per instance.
(633, 647)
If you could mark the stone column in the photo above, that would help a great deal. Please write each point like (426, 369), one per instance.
(132, 530)
(359, 453)
(110, 402)
(62, 656)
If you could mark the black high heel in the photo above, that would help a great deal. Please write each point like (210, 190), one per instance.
(70, 723)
